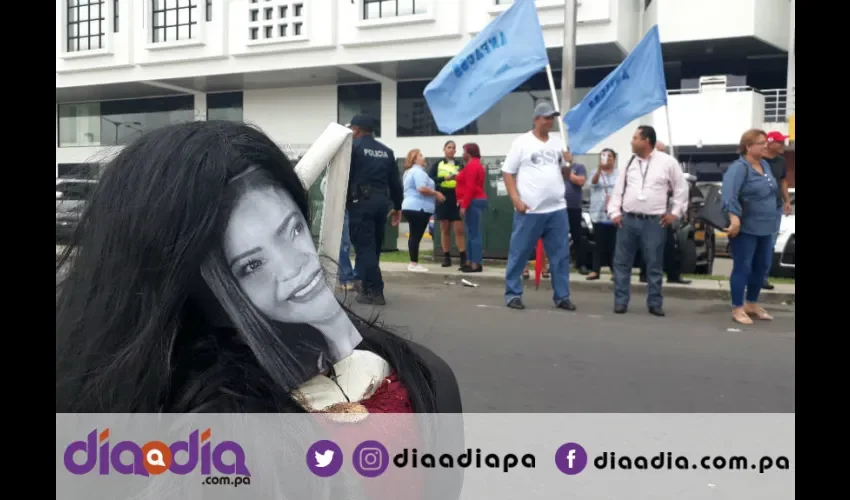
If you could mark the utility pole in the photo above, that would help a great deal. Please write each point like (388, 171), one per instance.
(568, 56)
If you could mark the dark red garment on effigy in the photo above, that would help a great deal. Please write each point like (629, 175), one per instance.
(394, 432)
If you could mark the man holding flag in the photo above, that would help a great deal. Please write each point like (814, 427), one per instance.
(534, 173)
(503, 56)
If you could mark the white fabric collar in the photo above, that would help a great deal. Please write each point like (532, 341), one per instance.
(358, 376)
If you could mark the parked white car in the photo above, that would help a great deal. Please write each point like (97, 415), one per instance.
(784, 252)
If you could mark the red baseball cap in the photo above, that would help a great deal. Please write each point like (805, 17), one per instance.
(776, 136)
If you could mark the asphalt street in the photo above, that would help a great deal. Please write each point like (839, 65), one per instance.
(547, 360)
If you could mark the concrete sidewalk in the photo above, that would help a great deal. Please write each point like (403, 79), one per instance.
(396, 272)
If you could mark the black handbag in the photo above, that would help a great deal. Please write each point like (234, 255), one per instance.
(712, 211)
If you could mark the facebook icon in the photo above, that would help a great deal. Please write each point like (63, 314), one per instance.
(571, 458)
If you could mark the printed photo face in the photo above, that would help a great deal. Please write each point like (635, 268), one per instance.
(271, 254)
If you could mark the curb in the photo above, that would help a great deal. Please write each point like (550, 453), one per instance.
(693, 291)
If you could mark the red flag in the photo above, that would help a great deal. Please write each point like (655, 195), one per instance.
(538, 264)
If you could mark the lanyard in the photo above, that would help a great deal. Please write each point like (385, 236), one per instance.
(643, 172)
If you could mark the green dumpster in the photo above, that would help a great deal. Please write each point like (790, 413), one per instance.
(317, 204)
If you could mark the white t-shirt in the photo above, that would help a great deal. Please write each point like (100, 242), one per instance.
(537, 167)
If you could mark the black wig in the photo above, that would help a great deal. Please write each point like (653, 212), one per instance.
(134, 329)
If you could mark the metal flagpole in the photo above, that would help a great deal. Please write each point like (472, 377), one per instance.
(568, 54)
(669, 131)
(568, 60)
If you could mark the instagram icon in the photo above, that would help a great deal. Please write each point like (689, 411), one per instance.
(370, 459)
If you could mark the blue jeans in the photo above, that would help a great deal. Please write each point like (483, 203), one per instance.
(750, 262)
(649, 236)
(346, 271)
(781, 212)
(554, 228)
(472, 223)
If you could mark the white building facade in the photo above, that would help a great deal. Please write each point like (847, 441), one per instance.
(292, 66)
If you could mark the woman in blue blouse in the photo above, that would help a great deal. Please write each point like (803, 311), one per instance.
(749, 198)
(420, 200)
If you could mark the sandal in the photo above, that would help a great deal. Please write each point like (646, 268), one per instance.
(758, 311)
(525, 274)
(740, 316)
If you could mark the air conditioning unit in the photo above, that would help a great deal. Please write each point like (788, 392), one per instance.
(715, 83)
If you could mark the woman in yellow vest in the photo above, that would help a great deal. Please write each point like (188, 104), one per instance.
(444, 172)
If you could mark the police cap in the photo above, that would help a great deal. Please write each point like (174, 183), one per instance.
(363, 122)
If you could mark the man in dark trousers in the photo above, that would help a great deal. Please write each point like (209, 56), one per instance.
(374, 174)
(672, 252)
(642, 210)
(773, 156)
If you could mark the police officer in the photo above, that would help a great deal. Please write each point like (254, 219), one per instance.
(374, 174)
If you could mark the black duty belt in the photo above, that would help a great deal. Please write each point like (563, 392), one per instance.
(643, 216)
(365, 191)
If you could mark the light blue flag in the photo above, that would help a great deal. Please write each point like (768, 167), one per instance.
(635, 88)
(497, 61)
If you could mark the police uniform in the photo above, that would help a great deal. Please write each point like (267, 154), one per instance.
(440, 172)
(374, 187)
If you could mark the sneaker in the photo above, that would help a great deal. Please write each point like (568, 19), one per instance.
(417, 268)
(516, 303)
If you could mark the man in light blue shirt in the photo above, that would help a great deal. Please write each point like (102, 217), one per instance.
(602, 182)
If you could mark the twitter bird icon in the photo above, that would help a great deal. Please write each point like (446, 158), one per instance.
(324, 458)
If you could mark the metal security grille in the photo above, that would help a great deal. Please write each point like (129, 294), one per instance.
(86, 25)
(377, 9)
(174, 20)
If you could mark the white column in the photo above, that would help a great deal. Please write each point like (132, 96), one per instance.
(56, 142)
(389, 113)
(200, 106)
(791, 61)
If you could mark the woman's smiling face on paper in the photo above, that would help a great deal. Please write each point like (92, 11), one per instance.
(271, 254)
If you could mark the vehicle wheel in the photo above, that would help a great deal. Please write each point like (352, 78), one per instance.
(776, 271)
(707, 268)
(689, 257)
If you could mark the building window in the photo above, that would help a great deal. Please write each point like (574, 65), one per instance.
(86, 25)
(174, 20)
(115, 15)
(110, 123)
(276, 20)
(209, 10)
(225, 106)
(358, 99)
(380, 9)
(79, 124)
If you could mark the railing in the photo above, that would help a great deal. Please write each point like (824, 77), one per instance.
(777, 104)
